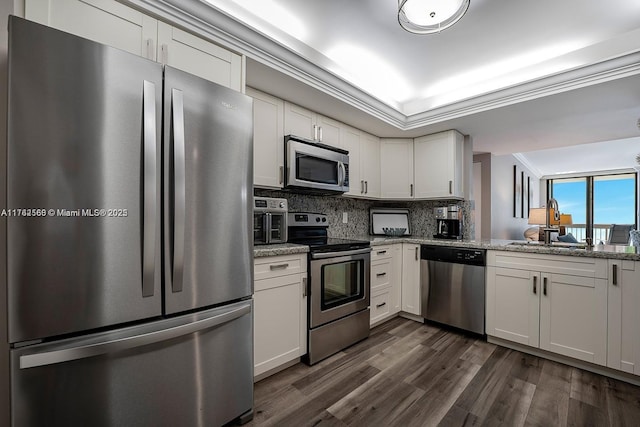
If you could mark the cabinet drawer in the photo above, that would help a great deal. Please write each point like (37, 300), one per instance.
(381, 252)
(282, 265)
(380, 306)
(380, 274)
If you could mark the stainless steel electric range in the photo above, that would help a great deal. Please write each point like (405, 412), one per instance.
(338, 286)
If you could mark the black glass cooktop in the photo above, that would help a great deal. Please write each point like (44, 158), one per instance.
(330, 244)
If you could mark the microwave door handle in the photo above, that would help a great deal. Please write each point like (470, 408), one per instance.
(342, 176)
(177, 124)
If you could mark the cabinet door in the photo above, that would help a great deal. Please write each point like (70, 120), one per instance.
(350, 141)
(438, 165)
(329, 132)
(396, 168)
(279, 321)
(573, 317)
(411, 278)
(200, 57)
(370, 164)
(106, 22)
(396, 278)
(513, 311)
(623, 347)
(300, 122)
(268, 140)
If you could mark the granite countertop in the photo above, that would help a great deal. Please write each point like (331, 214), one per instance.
(280, 249)
(597, 251)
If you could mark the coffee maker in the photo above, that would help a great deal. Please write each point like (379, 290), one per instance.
(448, 222)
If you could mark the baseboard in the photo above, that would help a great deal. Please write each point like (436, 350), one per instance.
(597, 369)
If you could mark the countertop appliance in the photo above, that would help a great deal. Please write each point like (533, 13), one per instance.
(129, 274)
(452, 282)
(315, 168)
(338, 286)
(449, 224)
(381, 218)
(269, 220)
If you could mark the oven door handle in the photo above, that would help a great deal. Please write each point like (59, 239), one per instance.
(324, 255)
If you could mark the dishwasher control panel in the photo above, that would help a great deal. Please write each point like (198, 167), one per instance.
(452, 254)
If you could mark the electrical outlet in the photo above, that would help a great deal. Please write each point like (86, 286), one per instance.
(345, 218)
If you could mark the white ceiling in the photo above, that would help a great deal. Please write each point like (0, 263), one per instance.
(515, 75)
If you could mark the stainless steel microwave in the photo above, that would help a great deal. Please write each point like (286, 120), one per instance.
(314, 167)
(269, 220)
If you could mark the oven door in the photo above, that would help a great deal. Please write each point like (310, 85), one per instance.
(339, 285)
(260, 228)
(277, 227)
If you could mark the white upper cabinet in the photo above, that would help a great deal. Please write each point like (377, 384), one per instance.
(307, 124)
(370, 164)
(103, 21)
(439, 166)
(351, 141)
(268, 140)
(396, 168)
(200, 57)
(114, 24)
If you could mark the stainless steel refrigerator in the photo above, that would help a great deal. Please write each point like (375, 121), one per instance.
(129, 269)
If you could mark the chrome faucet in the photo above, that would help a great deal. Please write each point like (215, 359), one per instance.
(551, 204)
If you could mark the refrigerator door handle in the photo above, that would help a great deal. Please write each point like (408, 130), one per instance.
(177, 125)
(111, 346)
(149, 195)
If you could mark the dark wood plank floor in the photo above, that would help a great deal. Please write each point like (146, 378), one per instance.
(410, 374)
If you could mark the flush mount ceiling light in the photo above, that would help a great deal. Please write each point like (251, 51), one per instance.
(430, 16)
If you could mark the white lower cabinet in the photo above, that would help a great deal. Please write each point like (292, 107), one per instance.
(384, 284)
(556, 303)
(280, 311)
(411, 278)
(623, 349)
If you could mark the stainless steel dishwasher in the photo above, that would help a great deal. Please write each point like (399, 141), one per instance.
(453, 286)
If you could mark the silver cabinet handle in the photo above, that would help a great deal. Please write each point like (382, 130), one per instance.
(150, 214)
(112, 346)
(535, 284)
(164, 52)
(417, 257)
(450, 187)
(382, 304)
(304, 287)
(320, 128)
(315, 132)
(179, 187)
(411, 189)
(149, 43)
(384, 273)
(361, 187)
(544, 286)
(381, 252)
(366, 187)
(278, 266)
(615, 274)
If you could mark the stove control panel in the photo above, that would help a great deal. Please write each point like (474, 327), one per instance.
(307, 219)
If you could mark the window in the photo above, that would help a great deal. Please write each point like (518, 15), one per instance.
(596, 203)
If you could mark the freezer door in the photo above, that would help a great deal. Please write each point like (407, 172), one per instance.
(208, 131)
(194, 370)
(83, 183)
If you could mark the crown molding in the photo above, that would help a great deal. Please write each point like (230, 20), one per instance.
(205, 20)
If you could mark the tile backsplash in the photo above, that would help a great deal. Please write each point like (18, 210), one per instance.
(421, 217)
